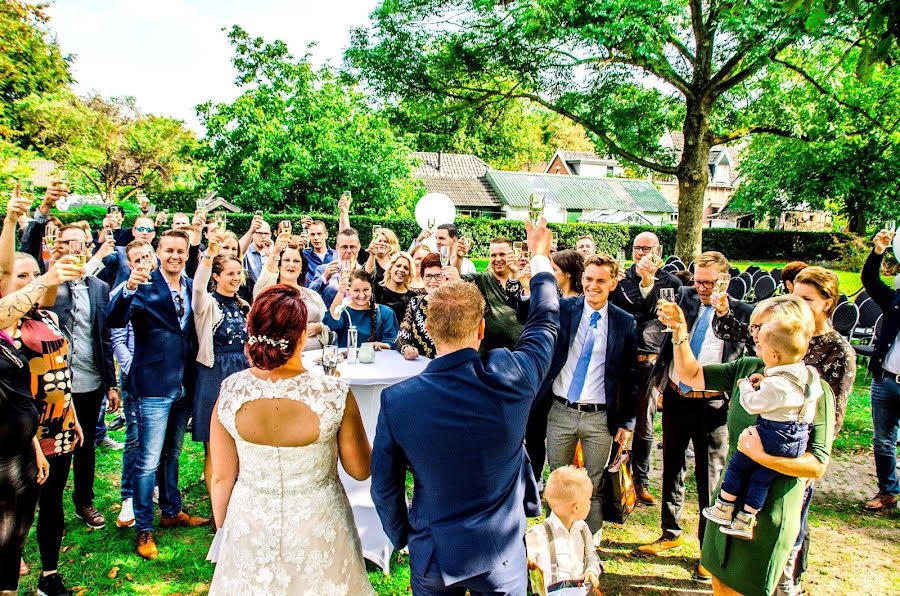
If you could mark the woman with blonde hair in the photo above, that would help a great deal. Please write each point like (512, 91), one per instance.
(384, 245)
(394, 291)
(418, 254)
(755, 567)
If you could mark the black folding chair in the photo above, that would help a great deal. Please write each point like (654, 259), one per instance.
(734, 271)
(776, 274)
(869, 311)
(752, 269)
(672, 259)
(763, 288)
(737, 288)
(845, 318)
(843, 298)
(670, 268)
(678, 264)
(861, 295)
(864, 351)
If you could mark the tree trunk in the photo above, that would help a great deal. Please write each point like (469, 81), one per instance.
(693, 176)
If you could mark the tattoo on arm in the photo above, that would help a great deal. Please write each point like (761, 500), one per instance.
(16, 305)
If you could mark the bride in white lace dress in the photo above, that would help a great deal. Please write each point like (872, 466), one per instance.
(284, 522)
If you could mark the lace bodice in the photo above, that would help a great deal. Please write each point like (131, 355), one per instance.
(289, 527)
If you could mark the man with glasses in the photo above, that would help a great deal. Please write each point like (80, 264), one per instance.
(158, 306)
(258, 252)
(80, 308)
(327, 276)
(636, 294)
(694, 416)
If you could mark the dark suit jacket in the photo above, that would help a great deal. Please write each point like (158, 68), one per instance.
(98, 295)
(459, 426)
(689, 302)
(627, 296)
(164, 353)
(115, 268)
(889, 300)
(621, 382)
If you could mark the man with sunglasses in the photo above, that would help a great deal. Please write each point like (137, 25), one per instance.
(158, 305)
(694, 416)
(637, 294)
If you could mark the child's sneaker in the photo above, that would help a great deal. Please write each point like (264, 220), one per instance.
(742, 526)
(721, 512)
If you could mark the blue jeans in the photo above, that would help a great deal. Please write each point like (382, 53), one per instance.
(161, 426)
(746, 478)
(886, 419)
(130, 406)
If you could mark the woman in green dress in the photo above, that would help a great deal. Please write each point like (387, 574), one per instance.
(753, 567)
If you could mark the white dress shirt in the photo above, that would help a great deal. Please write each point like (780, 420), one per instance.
(711, 351)
(778, 399)
(570, 548)
(594, 390)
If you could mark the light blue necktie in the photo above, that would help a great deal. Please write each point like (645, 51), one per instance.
(581, 369)
(698, 336)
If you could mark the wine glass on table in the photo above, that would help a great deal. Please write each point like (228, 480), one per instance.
(666, 298)
(330, 358)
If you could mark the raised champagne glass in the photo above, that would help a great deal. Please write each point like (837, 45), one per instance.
(79, 250)
(535, 208)
(666, 297)
(656, 256)
(146, 261)
(221, 220)
(445, 255)
(517, 250)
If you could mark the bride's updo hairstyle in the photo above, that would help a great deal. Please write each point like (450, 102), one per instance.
(274, 325)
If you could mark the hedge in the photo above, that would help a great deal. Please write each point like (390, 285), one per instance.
(738, 244)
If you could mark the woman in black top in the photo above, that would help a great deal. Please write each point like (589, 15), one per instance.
(394, 291)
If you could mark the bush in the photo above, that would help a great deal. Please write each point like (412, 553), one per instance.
(736, 244)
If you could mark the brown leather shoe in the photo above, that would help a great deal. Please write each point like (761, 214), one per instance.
(90, 516)
(702, 574)
(662, 545)
(881, 502)
(183, 519)
(643, 495)
(146, 545)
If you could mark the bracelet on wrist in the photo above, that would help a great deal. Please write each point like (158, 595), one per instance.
(678, 342)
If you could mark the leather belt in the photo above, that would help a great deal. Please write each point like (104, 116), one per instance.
(886, 374)
(647, 357)
(703, 394)
(580, 407)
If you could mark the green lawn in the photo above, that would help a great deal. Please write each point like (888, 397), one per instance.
(103, 561)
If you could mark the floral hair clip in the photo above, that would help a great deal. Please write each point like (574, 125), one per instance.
(264, 339)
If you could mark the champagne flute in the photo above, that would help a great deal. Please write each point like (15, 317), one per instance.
(620, 258)
(61, 178)
(555, 240)
(26, 189)
(430, 223)
(258, 213)
(666, 295)
(517, 250)
(201, 206)
(79, 250)
(330, 357)
(445, 255)
(535, 208)
(146, 261)
(656, 256)
(347, 195)
(221, 220)
(285, 227)
(50, 237)
(891, 226)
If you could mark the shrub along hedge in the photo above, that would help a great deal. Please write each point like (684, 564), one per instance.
(738, 244)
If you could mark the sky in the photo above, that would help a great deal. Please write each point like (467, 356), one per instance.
(172, 54)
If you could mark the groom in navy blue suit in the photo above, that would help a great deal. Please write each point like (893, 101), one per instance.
(459, 427)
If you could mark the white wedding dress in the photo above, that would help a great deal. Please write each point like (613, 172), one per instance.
(289, 527)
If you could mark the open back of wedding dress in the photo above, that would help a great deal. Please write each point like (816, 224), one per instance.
(289, 527)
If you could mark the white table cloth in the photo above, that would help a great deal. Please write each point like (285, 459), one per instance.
(367, 382)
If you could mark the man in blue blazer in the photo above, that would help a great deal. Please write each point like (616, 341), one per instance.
(161, 378)
(459, 427)
(593, 379)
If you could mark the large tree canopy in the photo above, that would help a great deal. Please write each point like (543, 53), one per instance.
(110, 143)
(298, 137)
(626, 70)
(850, 162)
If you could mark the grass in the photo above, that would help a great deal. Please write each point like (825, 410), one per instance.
(104, 562)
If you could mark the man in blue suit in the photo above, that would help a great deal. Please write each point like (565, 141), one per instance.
(593, 379)
(161, 375)
(459, 427)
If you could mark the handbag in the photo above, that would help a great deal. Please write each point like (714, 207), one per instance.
(619, 497)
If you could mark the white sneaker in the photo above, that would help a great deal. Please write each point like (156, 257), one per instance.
(126, 514)
(156, 494)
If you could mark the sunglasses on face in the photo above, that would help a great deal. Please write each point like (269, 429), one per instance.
(143, 229)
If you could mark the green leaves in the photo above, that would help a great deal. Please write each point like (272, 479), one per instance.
(297, 137)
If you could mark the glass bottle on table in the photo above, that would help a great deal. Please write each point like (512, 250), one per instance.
(352, 345)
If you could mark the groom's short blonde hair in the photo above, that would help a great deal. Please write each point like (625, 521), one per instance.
(454, 312)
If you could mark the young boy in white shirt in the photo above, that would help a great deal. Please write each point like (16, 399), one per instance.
(560, 549)
(785, 402)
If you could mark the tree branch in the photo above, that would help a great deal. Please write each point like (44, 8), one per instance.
(821, 89)
(681, 47)
(743, 132)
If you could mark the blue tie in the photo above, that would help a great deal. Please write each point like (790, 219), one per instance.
(698, 336)
(584, 360)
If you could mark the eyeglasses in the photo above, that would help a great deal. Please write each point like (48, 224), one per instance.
(643, 248)
(179, 305)
(144, 229)
(708, 285)
(431, 276)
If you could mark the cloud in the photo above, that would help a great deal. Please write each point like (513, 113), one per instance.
(172, 54)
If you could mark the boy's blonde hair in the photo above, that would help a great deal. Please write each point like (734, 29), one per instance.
(565, 482)
(787, 324)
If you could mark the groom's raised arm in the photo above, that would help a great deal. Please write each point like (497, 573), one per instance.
(389, 467)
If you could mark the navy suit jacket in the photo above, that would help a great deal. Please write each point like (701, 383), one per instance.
(621, 382)
(164, 353)
(459, 426)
